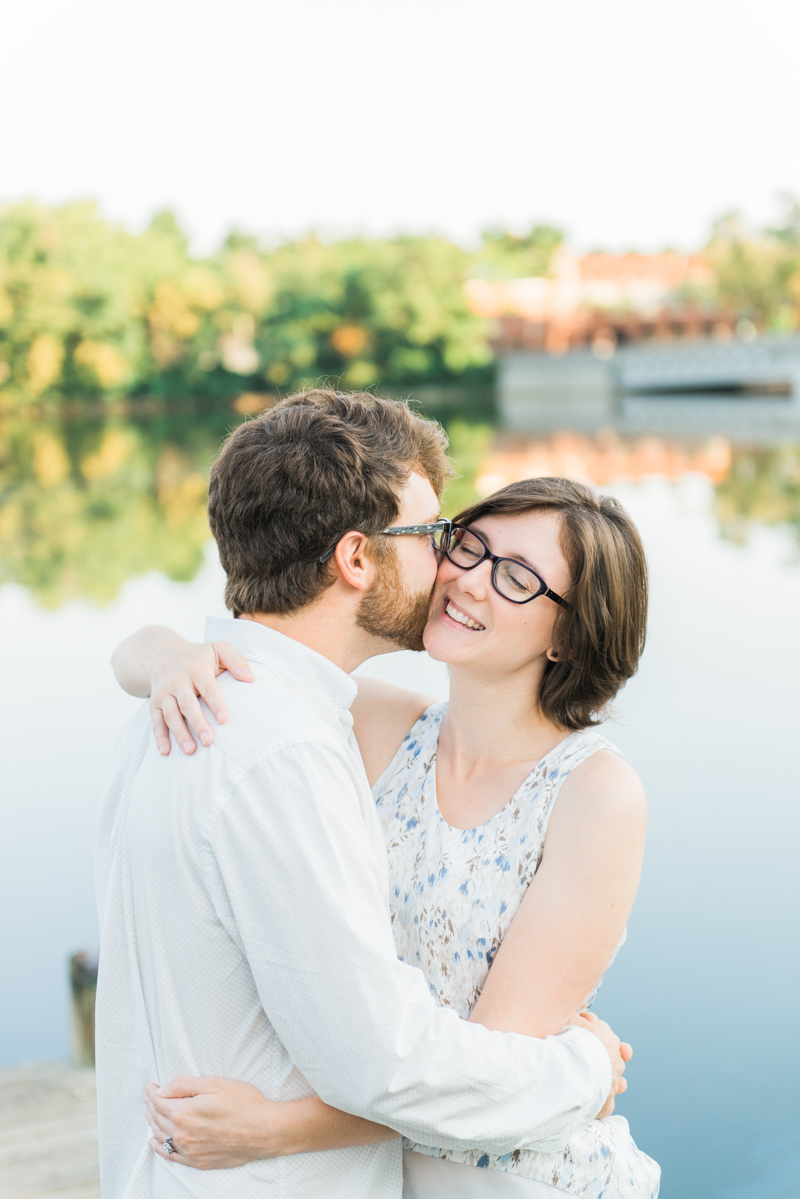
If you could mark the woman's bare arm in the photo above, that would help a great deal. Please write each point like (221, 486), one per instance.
(158, 662)
(132, 660)
(216, 1124)
(570, 921)
(382, 715)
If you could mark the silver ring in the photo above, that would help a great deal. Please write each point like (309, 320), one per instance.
(168, 1146)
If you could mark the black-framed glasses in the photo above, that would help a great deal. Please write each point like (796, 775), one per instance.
(516, 582)
(439, 533)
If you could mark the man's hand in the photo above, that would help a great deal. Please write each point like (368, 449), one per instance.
(214, 1123)
(618, 1051)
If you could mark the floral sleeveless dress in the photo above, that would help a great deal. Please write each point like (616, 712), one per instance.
(453, 895)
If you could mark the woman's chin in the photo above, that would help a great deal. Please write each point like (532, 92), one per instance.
(440, 645)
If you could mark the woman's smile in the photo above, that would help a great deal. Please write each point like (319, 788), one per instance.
(453, 615)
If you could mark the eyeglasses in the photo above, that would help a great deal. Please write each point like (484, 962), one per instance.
(439, 533)
(514, 581)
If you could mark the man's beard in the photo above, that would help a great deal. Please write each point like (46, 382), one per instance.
(389, 612)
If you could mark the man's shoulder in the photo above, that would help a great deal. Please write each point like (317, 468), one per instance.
(271, 716)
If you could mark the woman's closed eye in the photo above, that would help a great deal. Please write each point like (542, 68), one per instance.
(520, 580)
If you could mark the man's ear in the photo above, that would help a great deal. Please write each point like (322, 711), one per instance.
(353, 564)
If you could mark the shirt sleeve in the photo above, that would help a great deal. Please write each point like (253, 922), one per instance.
(303, 893)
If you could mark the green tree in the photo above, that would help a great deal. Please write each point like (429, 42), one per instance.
(758, 274)
(504, 255)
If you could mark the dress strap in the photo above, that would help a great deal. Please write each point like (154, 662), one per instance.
(424, 729)
(576, 749)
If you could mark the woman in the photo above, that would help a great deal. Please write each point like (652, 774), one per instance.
(539, 611)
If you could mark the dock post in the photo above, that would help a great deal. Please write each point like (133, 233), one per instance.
(83, 988)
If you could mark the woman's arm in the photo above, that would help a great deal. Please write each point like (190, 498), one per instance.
(132, 660)
(558, 945)
(570, 921)
(216, 1124)
(382, 715)
(158, 662)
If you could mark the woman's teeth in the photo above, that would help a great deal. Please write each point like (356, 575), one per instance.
(454, 614)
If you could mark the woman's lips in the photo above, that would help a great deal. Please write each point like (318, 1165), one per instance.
(463, 620)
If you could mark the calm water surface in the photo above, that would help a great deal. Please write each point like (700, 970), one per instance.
(706, 985)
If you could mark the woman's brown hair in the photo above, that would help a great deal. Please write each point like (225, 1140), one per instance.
(601, 636)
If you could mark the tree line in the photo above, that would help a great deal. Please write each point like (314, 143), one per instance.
(91, 311)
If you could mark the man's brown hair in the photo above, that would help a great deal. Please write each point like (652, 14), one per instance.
(601, 636)
(289, 483)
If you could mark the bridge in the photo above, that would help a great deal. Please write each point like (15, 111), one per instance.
(746, 390)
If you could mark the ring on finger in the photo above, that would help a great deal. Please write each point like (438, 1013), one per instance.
(169, 1146)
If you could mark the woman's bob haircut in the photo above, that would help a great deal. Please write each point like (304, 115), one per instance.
(601, 636)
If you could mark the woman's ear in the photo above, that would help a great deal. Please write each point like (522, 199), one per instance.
(553, 654)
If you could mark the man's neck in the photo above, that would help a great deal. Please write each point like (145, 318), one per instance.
(328, 632)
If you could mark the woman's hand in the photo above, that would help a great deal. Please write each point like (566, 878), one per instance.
(180, 671)
(215, 1124)
(620, 1053)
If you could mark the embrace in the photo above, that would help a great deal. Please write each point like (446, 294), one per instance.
(349, 935)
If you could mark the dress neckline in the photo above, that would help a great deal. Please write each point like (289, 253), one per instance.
(525, 782)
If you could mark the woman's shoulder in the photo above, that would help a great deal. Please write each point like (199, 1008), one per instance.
(598, 774)
(382, 716)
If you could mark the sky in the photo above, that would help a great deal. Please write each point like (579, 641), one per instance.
(628, 123)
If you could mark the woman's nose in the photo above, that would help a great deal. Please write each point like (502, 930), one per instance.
(478, 581)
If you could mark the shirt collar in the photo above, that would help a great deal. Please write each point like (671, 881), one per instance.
(287, 656)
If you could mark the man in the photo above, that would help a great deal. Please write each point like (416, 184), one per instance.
(243, 891)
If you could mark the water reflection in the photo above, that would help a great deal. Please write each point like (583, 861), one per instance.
(762, 487)
(711, 966)
(86, 505)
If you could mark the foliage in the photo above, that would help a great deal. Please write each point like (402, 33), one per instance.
(470, 445)
(87, 504)
(762, 487)
(89, 311)
(758, 274)
(84, 506)
(505, 255)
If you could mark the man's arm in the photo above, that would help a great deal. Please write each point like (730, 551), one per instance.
(303, 891)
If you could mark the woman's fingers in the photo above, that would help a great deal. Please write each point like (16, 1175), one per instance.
(176, 1158)
(626, 1051)
(193, 714)
(176, 724)
(156, 1129)
(160, 730)
(212, 694)
(158, 1140)
(230, 659)
(160, 1111)
(185, 1086)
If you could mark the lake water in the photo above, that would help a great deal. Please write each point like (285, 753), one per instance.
(704, 988)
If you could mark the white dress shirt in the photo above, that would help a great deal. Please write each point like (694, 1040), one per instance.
(243, 898)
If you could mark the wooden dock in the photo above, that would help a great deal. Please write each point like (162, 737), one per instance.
(48, 1133)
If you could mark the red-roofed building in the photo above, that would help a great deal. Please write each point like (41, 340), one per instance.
(602, 300)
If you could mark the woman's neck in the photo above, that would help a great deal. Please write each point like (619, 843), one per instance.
(493, 721)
